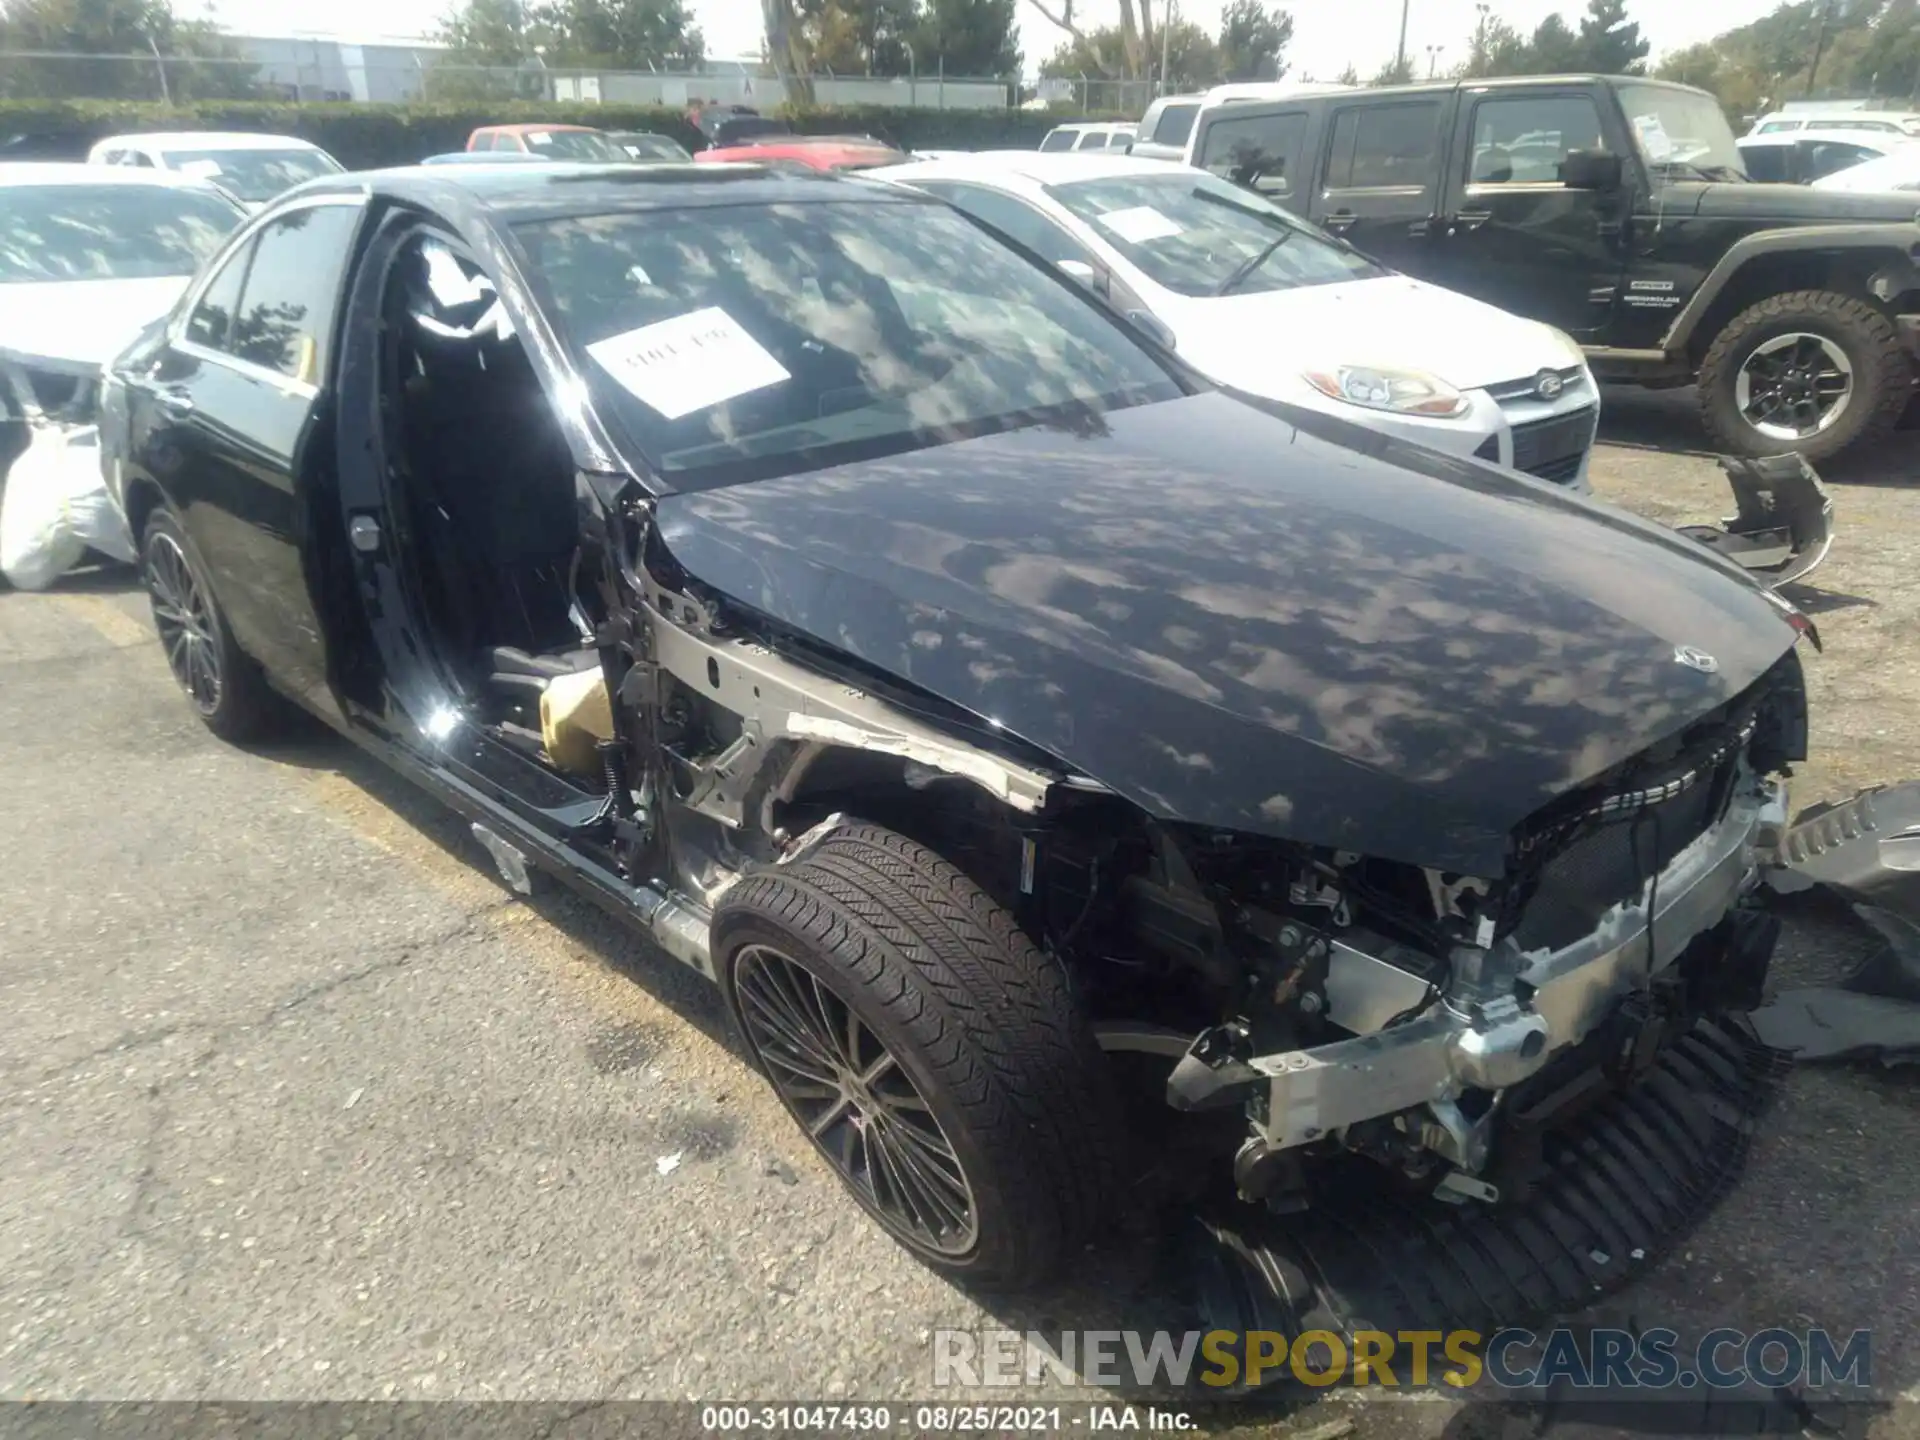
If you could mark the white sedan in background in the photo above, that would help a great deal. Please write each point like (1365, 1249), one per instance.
(89, 257)
(251, 168)
(1260, 301)
(1897, 170)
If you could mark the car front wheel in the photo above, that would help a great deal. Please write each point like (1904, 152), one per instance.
(929, 1051)
(1810, 372)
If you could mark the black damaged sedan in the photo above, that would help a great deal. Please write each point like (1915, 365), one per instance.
(995, 712)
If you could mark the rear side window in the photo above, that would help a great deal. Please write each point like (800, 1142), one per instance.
(1261, 152)
(1175, 125)
(1385, 147)
(1058, 140)
(1522, 141)
(213, 315)
(1093, 140)
(286, 310)
(1767, 163)
(1774, 127)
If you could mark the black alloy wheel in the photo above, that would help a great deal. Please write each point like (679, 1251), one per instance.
(227, 689)
(851, 1096)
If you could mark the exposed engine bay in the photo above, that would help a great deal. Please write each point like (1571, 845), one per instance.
(1430, 1021)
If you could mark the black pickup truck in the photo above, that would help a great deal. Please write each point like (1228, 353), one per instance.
(1616, 208)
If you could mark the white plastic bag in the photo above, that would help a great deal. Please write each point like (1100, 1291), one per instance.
(55, 504)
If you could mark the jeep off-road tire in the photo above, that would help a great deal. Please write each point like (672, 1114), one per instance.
(962, 1030)
(1880, 378)
(221, 681)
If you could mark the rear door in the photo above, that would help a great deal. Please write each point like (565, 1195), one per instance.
(226, 423)
(1516, 237)
(1380, 169)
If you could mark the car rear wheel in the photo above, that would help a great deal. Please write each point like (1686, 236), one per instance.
(929, 1051)
(223, 684)
(1810, 372)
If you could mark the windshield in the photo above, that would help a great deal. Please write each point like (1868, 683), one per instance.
(1194, 233)
(653, 147)
(574, 145)
(1678, 130)
(253, 175)
(108, 232)
(745, 341)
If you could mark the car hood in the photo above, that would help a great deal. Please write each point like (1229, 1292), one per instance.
(1392, 320)
(1803, 204)
(1298, 628)
(82, 323)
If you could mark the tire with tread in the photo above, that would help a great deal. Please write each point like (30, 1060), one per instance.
(1882, 371)
(248, 709)
(981, 1021)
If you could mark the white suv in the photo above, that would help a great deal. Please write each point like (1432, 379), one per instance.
(1262, 302)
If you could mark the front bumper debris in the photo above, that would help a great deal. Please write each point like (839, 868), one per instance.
(1455, 1042)
(1620, 1185)
(1866, 848)
(1784, 525)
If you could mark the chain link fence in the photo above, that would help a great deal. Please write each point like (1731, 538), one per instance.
(308, 70)
(1096, 95)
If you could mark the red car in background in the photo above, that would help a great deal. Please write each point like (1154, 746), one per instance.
(813, 152)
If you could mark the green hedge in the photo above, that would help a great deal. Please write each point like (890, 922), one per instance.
(369, 136)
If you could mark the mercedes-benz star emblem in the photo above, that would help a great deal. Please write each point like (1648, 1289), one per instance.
(1548, 385)
(1695, 659)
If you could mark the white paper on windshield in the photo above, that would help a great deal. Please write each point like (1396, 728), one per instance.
(200, 169)
(1140, 224)
(539, 137)
(688, 363)
(1654, 138)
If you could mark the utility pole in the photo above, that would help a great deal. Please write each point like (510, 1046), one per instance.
(1166, 37)
(1819, 46)
(1433, 59)
(1400, 55)
(166, 91)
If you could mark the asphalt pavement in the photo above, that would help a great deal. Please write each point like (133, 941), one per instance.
(296, 1101)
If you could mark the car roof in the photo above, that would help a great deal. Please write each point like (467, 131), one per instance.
(1877, 139)
(207, 140)
(530, 127)
(1038, 167)
(1217, 106)
(58, 172)
(1095, 125)
(553, 190)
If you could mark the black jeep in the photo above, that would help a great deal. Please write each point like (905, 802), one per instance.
(1618, 209)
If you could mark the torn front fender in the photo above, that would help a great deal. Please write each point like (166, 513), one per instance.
(1867, 848)
(1784, 525)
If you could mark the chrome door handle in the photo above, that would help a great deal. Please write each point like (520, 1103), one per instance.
(1469, 220)
(174, 402)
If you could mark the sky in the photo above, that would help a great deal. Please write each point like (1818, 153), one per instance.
(1328, 34)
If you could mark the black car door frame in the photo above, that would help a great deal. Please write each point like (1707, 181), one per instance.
(422, 714)
(239, 484)
(1535, 247)
(1395, 224)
